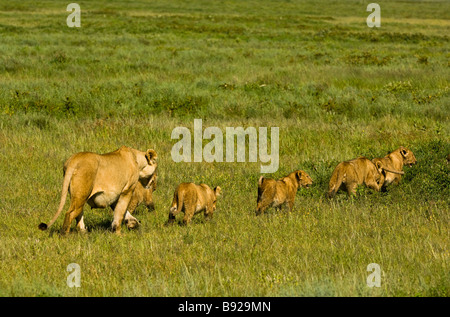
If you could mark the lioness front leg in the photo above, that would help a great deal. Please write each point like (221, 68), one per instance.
(119, 212)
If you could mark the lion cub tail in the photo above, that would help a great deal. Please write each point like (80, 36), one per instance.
(261, 180)
(177, 204)
(335, 182)
(65, 189)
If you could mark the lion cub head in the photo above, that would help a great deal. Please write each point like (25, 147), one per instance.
(408, 156)
(303, 179)
(276, 193)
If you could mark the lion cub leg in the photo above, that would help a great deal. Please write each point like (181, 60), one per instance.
(148, 200)
(351, 189)
(175, 209)
(265, 201)
(374, 186)
(130, 221)
(188, 214)
(290, 205)
(262, 206)
(209, 211)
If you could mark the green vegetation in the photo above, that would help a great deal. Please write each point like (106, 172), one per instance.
(135, 70)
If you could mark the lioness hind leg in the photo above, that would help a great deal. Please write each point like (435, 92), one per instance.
(80, 223)
(75, 211)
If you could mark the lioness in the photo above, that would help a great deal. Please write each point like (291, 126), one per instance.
(192, 198)
(276, 193)
(395, 161)
(350, 174)
(102, 180)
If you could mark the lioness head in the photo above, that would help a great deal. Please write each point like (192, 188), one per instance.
(303, 179)
(149, 169)
(408, 156)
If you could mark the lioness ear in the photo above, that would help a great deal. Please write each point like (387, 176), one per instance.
(403, 152)
(298, 174)
(217, 191)
(151, 156)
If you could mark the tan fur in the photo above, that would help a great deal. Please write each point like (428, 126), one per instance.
(276, 193)
(143, 194)
(350, 174)
(191, 199)
(102, 180)
(395, 161)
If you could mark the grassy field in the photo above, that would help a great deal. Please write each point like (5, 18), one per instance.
(135, 70)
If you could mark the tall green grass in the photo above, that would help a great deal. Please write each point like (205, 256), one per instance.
(136, 70)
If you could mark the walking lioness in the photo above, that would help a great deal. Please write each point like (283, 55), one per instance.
(349, 174)
(102, 180)
(276, 193)
(191, 199)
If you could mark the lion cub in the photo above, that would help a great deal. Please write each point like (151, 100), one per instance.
(348, 175)
(275, 193)
(191, 199)
(395, 161)
(142, 194)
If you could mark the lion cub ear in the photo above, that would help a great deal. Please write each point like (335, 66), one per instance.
(298, 174)
(151, 156)
(378, 165)
(217, 191)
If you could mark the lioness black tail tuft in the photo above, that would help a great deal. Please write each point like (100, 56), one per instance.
(43, 226)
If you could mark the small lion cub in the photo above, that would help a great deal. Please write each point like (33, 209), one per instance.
(191, 199)
(275, 193)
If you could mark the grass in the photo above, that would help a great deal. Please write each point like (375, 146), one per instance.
(135, 70)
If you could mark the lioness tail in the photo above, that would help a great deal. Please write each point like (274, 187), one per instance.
(65, 189)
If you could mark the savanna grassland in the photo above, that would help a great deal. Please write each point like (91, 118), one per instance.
(135, 70)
